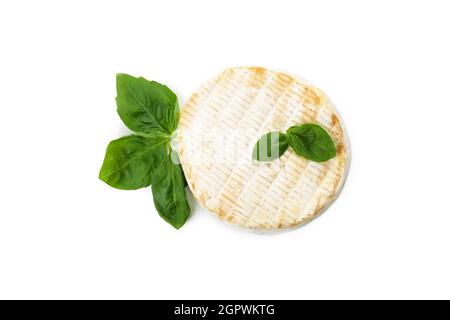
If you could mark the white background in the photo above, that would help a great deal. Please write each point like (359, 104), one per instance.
(65, 234)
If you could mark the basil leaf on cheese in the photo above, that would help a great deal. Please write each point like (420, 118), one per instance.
(312, 142)
(309, 140)
(270, 146)
(146, 106)
(131, 161)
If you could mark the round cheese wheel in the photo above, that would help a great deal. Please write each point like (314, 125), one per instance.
(221, 123)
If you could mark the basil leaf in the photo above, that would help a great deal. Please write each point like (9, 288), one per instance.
(270, 146)
(130, 161)
(146, 106)
(312, 142)
(169, 195)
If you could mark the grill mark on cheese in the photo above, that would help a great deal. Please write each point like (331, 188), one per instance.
(324, 169)
(337, 183)
(326, 195)
(284, 91)
(276, 217)
(257, 78)
(224, 88)
(276, 106)
(192, 105)
(225, 75)
(301, 164)
(196, 103)
(195, 140)
(221, 111)
(334, 120)
(340, 148)
(239, 190)
(254, 97)
(310, 97)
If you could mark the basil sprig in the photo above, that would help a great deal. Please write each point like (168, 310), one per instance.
(309, 140)
(151, 111)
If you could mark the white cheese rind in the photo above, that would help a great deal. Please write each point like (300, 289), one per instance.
(219, 126)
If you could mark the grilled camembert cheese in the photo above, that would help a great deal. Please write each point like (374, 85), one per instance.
(219, 126)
